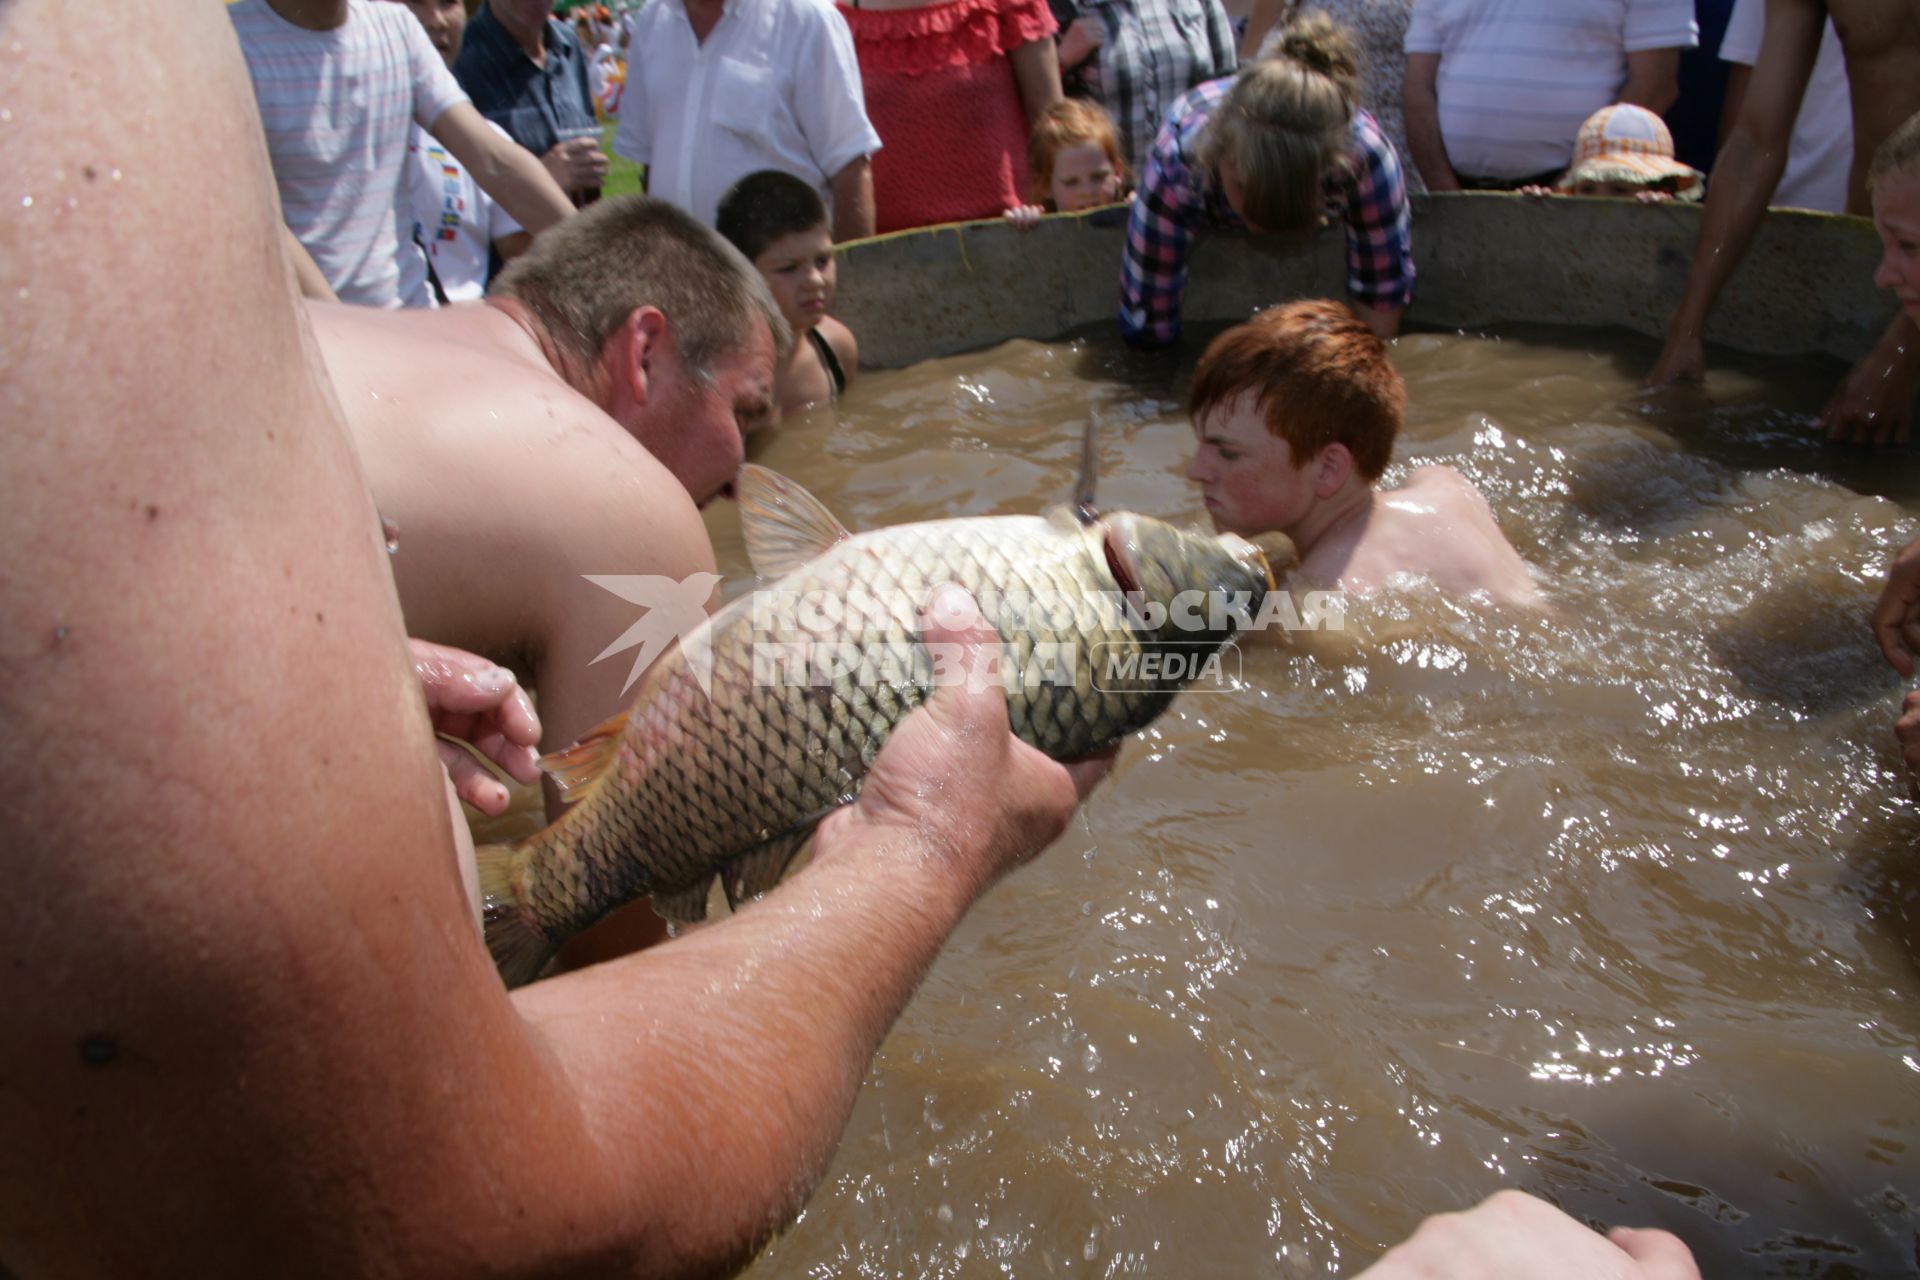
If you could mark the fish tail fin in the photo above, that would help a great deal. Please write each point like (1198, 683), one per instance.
(519, 949)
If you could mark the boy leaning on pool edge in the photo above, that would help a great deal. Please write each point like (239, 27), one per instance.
(1295, 413)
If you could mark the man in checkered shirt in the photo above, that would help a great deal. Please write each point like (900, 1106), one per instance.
(1134, 57)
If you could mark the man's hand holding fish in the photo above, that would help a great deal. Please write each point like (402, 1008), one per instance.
(947, 772)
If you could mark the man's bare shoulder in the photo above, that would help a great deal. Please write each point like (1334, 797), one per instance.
(503, 482)
(465, 392)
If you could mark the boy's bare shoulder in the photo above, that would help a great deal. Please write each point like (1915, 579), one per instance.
(1445, 487)
(1439, 475)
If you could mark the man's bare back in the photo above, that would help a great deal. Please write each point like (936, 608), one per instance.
(1437, 526)
(500, 479)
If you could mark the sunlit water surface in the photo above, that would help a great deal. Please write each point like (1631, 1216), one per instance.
(1617, 906)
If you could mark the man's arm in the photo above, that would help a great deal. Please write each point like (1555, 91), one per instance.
(1745, 173)
(1739, 76)
(1036, 70)
(1421, 106)
(831, 112)
(251, 1029)
(502, 168)
(756, 1065)
(1080, 41)
(1261, 19)
(853, 201)
(1653, 79)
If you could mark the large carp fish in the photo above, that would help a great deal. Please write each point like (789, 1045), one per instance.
(765, 719)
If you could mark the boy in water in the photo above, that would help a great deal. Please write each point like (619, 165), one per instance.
(780, 224)
(1295, 414)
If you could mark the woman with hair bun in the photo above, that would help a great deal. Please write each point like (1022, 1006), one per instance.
(1281, 146)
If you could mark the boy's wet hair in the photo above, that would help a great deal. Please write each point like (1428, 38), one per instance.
(1071, 122)
(1319, 375)
(1287, 120)
(583, 277)
(1899, 154)
(764, 206)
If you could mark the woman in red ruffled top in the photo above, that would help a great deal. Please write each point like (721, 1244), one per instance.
(952, 89)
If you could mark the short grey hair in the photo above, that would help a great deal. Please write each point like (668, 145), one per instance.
(583, 277)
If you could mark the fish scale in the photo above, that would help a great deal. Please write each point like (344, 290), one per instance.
(686, 786)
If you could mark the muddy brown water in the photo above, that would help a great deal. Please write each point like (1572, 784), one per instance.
(1620, 906)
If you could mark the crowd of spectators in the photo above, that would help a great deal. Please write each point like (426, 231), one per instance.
(900, 115)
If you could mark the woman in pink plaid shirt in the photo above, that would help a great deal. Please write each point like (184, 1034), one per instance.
(1279, 147)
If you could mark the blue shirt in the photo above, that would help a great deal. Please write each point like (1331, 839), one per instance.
(534, 104)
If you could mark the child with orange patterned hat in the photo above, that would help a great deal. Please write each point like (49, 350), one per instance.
(1626, 152)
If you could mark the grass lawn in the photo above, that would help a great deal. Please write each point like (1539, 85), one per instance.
(623, 175)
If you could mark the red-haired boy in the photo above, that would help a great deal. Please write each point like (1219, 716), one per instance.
(1295, 414)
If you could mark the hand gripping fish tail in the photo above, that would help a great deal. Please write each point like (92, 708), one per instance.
(720, 769)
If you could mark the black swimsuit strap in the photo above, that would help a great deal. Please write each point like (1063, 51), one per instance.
(829, 361)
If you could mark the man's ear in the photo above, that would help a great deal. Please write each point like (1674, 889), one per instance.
(633, 352)
(1331, 468)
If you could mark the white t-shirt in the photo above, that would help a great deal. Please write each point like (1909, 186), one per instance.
(336, 106)
(1519, 77)
(775, 86)
(1820, 153)
(446, 211)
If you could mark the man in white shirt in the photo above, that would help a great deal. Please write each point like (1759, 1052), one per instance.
(719, 89)
(1821, 152)
(1496, 90)
(337, 83)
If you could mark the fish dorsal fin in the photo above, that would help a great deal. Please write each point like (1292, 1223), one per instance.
(785, 526)
(577, 768)
(1084, 509)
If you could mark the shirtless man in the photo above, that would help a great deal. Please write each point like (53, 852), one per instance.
(572, 424)
(251, 1029)
(1881, 42)
(1296, 412)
